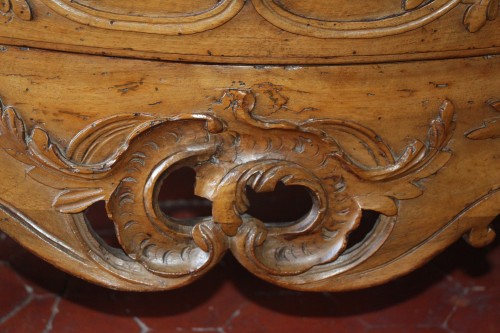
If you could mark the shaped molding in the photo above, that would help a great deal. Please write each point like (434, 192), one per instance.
(411, 14)
(414, 14)
(160, 23)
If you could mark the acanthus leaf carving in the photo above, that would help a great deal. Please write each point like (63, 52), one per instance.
(122, 159)
(75, 200)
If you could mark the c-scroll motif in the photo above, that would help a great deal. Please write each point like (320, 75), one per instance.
(122, 159)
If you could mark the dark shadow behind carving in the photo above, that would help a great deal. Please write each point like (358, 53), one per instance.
(459, 256)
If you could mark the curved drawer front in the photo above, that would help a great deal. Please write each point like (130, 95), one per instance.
(257, 31)
(413, 144)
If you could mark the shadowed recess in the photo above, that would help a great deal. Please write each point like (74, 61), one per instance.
(368, 221)
(176, 198)
(100, 224)
(284, 205)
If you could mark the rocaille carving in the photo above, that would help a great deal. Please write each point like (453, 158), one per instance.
(414, 14)
(233, 146)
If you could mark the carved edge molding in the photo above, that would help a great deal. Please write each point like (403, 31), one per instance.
(416, 13)
(20, 8)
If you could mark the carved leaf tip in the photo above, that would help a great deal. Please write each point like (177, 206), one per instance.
(77, 200)
(412, 4)
(478, 13)
(490, 129)
(441, 127)
(12, 124)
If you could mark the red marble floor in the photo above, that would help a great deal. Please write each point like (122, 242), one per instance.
(458, 291)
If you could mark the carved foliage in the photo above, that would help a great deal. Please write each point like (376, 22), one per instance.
(20, 8)
(479, 12)
(490, 129)
(233, 146)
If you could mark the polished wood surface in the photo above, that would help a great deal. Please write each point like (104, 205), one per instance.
(398, 159)
(258, 31)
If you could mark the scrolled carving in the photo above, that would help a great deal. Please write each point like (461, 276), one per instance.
(232, 146)
(314, 158)
(20, 8)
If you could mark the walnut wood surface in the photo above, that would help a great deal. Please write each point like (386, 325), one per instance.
(416, 142)
(257, 31)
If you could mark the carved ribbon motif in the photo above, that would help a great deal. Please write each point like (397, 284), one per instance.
(123, 159)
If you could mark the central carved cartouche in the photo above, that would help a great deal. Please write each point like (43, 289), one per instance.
(232, 147)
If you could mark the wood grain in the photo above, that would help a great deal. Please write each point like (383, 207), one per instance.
(262, 31)
(415, 142)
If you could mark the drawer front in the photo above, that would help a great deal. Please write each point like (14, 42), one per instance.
(257, 31)
(414, 143)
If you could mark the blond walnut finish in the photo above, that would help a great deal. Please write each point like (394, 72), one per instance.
(416, 142)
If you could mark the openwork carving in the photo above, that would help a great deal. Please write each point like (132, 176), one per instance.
(20, 8)
(233, 146)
